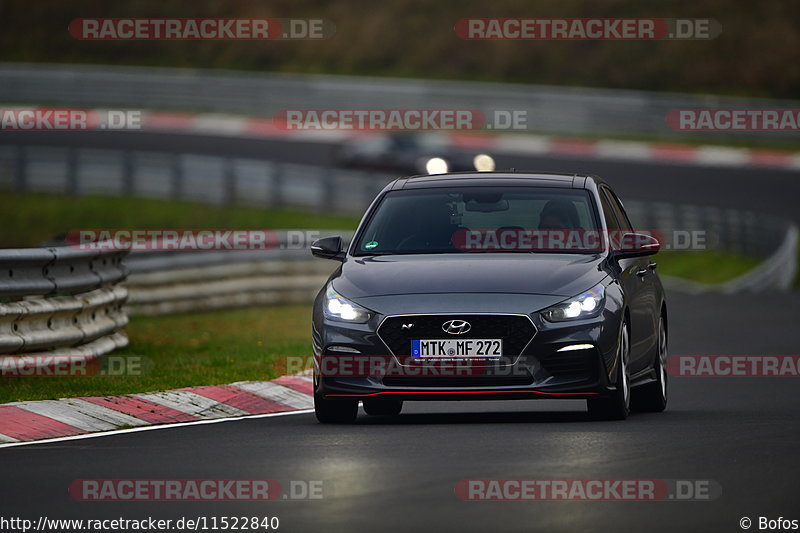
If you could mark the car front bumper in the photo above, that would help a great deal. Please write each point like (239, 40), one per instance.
(573, 359)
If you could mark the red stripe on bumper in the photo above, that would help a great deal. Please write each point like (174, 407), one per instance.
(473, 392)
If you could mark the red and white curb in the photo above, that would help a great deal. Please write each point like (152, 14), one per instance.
(220, 124)
(51, 419)
(632, 151)
(513, 143)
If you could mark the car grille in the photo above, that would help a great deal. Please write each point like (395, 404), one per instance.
(479, 381)
(515, 330)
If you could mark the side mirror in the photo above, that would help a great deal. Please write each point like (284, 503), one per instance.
(635, 245)
(328, 248)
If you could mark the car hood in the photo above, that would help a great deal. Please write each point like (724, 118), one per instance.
(543, 274)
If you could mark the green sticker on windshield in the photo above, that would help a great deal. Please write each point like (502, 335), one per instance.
(371, 245)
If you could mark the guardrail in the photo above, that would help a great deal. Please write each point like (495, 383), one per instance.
(730, 230)
(174, 282)
(771, 239)
(190, 177)
(59, 301)
(777, 272)
(263, 183)
(553, 110)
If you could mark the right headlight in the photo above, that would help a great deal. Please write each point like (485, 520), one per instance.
(337, 307)
(588, 304)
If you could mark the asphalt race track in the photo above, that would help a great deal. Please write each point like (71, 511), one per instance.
(400, 474)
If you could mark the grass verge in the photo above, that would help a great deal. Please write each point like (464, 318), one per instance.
(705, 267)
(30, 219)
(187, 350)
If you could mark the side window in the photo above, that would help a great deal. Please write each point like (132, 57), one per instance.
(608, 212)
(622, 216)
(613, 205)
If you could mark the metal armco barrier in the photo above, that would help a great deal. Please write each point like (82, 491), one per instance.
(188, 177)
(61, 301)
(776, 272)
(173, 282)
(772, 240)
(218, 180)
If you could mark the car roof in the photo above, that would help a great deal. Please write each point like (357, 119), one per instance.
(498, 178)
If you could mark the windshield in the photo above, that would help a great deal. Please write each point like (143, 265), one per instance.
(482, 219)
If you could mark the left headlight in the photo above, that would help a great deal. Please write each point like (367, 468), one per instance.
(588, 304)
(337, 307)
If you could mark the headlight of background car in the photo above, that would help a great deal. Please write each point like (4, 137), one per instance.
(436, 165)
(337, 307)
(586, 305)
(483, 163)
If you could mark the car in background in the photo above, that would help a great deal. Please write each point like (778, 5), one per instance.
(409, 153)
(496, 285)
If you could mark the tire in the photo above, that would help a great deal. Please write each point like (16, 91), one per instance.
(382, 406)
(335, 411)
(652, 398)
(617, 405)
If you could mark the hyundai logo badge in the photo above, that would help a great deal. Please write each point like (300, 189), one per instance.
(456, 327)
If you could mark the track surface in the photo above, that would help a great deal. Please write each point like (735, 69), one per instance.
(399, 475)
(382, 475)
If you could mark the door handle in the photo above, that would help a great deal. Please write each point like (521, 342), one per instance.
(652, 266)
(641, 273)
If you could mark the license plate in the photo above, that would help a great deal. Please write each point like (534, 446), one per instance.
(456, 348)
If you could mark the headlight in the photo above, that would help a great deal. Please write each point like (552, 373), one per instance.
(586, 305)
(436, 165)
(337, 307)
(483, 163)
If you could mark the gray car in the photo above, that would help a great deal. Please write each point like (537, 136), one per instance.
(491, 285)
